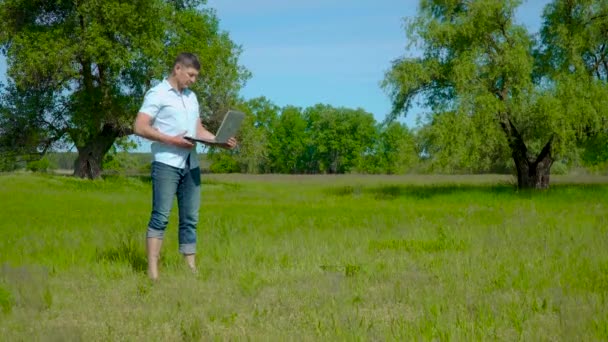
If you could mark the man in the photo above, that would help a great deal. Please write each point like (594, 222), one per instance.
(169, 113)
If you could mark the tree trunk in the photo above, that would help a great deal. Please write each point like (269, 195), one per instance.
(90, 156)
(532, 172)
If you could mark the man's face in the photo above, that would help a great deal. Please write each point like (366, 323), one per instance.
(185, 76)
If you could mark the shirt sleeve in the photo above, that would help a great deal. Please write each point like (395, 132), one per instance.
(151, 105)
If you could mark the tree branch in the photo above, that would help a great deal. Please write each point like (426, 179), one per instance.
(546, 151)
(516, 142)
(599, 16)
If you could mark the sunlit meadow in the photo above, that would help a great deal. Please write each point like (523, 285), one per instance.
(308, 258)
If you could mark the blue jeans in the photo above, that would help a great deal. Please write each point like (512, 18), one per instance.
(167, 182)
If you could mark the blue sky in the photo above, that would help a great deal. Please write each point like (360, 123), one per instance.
(304, 52)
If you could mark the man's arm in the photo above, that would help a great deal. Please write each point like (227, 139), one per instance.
(202, 132)
(143, 128)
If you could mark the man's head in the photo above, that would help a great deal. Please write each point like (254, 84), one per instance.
(185, 70)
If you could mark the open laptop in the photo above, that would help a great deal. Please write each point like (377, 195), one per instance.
(228, 129)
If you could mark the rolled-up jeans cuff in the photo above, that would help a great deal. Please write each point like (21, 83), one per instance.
(187, 248)
(155, 233)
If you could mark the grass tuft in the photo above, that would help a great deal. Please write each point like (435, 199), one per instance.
(128, 251)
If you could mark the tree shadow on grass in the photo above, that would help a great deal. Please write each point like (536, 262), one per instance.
(146, 179)
(143, 178)
(390, 192)
(127, 252)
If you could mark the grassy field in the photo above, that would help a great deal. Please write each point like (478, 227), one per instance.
(308, 258)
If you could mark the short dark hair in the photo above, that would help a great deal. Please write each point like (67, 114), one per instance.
(188, 60)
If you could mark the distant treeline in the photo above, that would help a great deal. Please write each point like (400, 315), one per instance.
(114, 163)
(327, 140)
(320, 139)
(323, 139)
(131, 162)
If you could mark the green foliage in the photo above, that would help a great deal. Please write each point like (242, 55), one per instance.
(394, 152)
(78, 70)
(456, 143)
(479, 70)
(318, 139)
(8, 162)
(119, 161)
(340, 136)
(62, 160)
(560, 168)
(397, 148)
(257, 129)
(40, 165)
(224, 163)
(574, 37)
(289, 141)
(26, 133)
(194, 28)
(596, 149)
(595, 153)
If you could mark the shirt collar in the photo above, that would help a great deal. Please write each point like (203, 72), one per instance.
(168, 86)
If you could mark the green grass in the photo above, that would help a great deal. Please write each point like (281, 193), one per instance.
(308, 258)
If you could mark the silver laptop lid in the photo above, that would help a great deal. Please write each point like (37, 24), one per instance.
(230, 126)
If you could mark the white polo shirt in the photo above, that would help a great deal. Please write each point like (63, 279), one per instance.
(172, 113)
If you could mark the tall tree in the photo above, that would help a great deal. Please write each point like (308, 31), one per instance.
(395, 151)
(288, 142)
(573, 59)
(340, 137)
(479, 66)
(253, 152)
(26, 133)
(95, 59)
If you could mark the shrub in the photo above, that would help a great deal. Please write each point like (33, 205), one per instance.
(40, 165)
(224, 163)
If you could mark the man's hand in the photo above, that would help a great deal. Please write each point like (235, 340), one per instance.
(180, 141)
(230, 144)
(143, 128)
